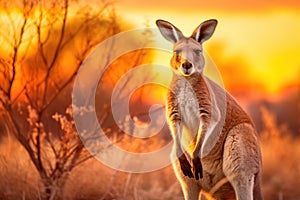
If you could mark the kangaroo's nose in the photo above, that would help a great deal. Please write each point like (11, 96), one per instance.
(186, 65)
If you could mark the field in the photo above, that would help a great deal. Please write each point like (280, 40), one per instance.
(93, 180)
(62, 60)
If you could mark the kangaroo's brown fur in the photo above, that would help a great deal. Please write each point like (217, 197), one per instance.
(214, 138)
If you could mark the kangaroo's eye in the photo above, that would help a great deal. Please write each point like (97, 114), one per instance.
(197, 51)
(177, 52)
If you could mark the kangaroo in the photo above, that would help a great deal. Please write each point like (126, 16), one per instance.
(214, 138)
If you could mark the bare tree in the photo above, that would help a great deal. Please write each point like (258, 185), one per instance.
(36, 73)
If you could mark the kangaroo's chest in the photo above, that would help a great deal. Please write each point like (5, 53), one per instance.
(189, 108)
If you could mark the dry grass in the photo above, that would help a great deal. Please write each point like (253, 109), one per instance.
(18, 179)
(281, 163)
(92, 180)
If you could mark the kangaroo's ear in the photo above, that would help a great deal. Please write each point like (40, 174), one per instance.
(205, 30)
(169, 31)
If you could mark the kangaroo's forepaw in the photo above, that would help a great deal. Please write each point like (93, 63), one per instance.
(197, 168)
(186, 167)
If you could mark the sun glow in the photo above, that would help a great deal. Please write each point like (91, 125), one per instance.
(265, 43)
(254, 50)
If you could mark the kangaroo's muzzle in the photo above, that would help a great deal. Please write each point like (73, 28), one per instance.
(187, 68)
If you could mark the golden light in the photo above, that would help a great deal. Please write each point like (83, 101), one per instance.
(263, 43)
(266, 41)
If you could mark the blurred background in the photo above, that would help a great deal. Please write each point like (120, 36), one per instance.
(43, 44)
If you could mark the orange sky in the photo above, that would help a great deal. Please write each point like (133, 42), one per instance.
(211, 5)
(264, 36)
(256, 42)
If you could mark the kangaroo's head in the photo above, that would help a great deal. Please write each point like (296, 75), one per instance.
(188, 52)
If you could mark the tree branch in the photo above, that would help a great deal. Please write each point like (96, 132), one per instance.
(15, 55)
(57, 49)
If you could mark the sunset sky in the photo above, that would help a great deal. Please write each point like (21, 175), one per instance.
(263, 37)
(256, 44)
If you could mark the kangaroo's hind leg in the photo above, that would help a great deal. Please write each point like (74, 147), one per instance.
(242, 160)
